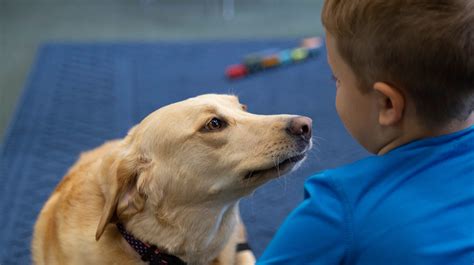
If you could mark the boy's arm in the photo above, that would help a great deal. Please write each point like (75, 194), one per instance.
(316, 232)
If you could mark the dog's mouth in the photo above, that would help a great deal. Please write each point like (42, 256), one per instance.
(280, 169)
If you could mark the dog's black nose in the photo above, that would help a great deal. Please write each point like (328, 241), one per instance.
(300, 126)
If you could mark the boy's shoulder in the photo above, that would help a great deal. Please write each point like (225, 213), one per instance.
(350, 175)
(431, 159)
(401, 198)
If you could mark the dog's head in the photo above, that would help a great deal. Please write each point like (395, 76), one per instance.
(204, 149)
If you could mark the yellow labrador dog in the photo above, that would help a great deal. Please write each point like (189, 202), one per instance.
(168, 192)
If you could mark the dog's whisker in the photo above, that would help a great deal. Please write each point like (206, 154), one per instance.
(277, 165)
(250, 176)
(247, 179)
(285, 188)
(313, 153)
(274, 159)
(319, 138)
(276, 162)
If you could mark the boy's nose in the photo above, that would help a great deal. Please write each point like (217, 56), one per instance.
(300, 126)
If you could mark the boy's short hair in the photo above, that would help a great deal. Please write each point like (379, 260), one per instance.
(424, 47)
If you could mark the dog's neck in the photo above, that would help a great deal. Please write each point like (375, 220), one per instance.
(195, 234)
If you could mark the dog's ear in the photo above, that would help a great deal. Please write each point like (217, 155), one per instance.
(123, 199)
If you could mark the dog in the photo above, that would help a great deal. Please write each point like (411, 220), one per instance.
(168, 192)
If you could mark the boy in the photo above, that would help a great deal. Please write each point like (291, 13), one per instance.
(404, 73)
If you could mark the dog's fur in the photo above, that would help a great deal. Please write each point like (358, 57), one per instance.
(172, 181)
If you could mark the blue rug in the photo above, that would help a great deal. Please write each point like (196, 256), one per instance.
(79, 95)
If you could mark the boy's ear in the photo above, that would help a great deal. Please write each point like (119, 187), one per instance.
(390, 104)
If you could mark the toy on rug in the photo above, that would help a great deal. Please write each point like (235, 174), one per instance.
(267, 59)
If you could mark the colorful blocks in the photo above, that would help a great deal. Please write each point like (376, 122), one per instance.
(285, 57)
(236, 71)
(270, 61)
(253, 67)
(271, 58)
(313, 52)
(311, 43)
(299, 54)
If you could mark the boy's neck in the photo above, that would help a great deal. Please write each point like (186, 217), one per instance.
(421, 133)
(457, 126)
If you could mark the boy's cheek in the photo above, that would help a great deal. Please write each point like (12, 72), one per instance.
(356, 120)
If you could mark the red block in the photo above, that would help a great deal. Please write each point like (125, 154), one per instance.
(236, 71)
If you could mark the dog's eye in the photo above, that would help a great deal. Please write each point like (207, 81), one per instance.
(215, 124)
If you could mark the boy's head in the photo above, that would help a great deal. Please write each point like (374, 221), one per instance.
(421, 49)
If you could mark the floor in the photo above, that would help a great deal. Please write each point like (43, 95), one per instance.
(26, 24)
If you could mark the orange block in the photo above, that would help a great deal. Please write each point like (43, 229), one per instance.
(270, 61)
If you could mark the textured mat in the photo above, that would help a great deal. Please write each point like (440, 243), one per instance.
(80, 95)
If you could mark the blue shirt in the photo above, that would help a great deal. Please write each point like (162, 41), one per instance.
(413, 205)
